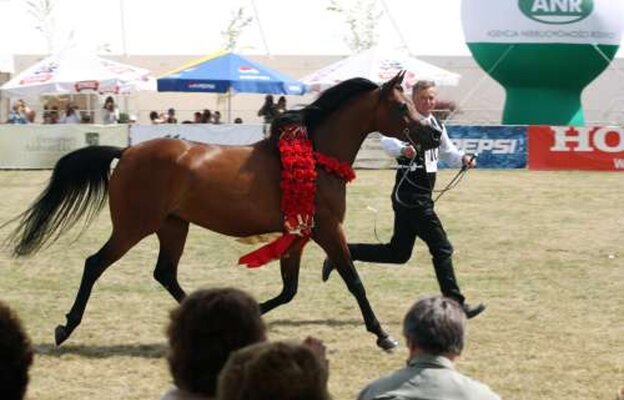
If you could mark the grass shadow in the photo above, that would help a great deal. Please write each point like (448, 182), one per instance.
(328, 322)
(155, 350)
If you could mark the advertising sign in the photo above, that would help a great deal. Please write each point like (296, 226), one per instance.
(543, 21)
(496, 146)
(41, 146)
(576, 148)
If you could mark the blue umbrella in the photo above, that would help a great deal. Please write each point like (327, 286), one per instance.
(223, 72)
(226, 72)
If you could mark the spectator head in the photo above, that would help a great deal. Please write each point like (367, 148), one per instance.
(171, 112)
(276, 371)
(238, 120)
(281, 101)
(16, 355)
(216, 117)
(197, 117)
(70, 109)
(109, 103)
(206, 116)
(153, 115)
(435, 325)
(203, 331)
(268, 99)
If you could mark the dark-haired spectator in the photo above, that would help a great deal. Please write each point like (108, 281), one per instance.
(197, 118)
(434, 329)
(206, 116)
(110, 112)
(268, 110)
(280, 107)
(171, 116)
(71, 116)
(16, 356)
(203, 331)
(238, 120)
(276, 371)
(156, 118)
(216, 117)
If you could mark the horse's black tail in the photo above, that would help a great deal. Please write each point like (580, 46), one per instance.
(78, 186)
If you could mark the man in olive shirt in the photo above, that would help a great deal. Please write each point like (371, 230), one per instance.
(434, 329)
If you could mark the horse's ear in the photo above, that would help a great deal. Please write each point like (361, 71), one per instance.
(396, 81)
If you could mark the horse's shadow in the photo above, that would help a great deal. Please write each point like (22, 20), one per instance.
(326, 322)
(155, 350)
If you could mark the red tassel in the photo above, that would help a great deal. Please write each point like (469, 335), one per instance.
(268, 252)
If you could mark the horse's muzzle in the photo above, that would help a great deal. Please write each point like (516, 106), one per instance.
(424, 135)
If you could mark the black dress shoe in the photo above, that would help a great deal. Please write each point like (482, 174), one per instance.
(473, 311)
(327, 269)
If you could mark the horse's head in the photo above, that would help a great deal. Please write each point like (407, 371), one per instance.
(397, 117)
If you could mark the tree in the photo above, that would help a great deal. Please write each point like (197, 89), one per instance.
(42, 11)
(362, 20)
(238, 22)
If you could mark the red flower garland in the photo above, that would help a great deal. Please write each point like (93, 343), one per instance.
(298, 180)
(342, 169)
(298, 190)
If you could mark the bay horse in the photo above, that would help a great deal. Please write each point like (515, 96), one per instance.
(162, 185)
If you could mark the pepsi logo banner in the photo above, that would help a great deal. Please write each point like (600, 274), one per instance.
(496, 146)
(582, 148)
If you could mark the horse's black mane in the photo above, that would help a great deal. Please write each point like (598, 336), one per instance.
(331, 100)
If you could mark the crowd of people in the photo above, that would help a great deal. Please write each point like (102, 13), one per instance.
(21, 113)
(219, 349)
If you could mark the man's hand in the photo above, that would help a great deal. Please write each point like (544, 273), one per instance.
(469, 160)
(408, 151)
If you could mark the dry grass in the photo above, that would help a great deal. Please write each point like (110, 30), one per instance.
(543, 250)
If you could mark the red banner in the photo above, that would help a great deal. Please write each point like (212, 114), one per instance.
(583, 148)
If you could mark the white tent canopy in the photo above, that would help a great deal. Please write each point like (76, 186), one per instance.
(73, 72)
(379, 65)
(6, 63)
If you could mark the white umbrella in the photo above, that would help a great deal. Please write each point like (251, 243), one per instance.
(72, 72)
(6, 63)
(379, 65)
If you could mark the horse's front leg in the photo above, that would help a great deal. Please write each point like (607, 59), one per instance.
(289, 266)
(334, 243)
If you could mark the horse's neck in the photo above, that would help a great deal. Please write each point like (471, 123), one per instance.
(342, 134)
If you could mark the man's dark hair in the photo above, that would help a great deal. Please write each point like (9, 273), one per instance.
(436, 325)
(276, 371)
(206, 327)
(16, 355)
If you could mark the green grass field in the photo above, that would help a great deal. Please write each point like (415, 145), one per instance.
(544, 250)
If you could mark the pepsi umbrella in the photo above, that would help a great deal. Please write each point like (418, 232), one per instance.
(226, 72)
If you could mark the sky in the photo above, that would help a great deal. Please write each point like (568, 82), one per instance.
(193, 27)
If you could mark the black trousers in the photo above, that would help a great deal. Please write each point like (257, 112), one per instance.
(410, 223)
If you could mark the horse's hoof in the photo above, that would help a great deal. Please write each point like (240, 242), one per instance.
(328, 267)
(387, 343)
(60, 334)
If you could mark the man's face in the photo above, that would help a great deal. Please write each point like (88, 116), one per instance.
(424, 100)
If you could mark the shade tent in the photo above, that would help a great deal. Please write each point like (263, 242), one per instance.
(223, 72)
(379, 65)
(73, 72)
(227, 72)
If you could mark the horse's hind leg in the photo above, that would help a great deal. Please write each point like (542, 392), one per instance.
(334, 243)
(289, 267)
(172, 237)
(95, 266)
